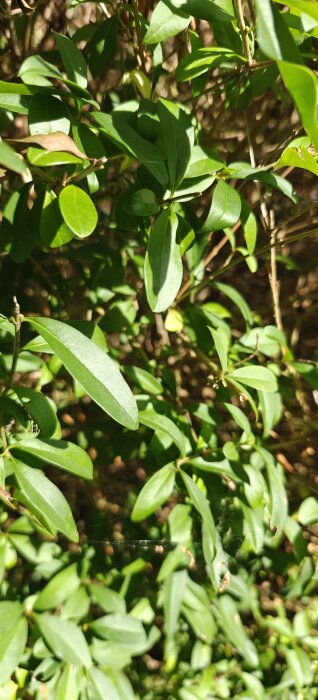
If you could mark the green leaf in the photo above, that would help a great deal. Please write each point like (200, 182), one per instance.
(65, 455)
(155, 492)
(210, 10)
(254, 376)
(225, 208)
(163, 265)
(278, 504)
(231, 623)
(142, 203)
(173, 592)
(222, 344)
(308, 511)
(14, 97)
(111, 627)
(102, 686)
(249, 224)
(307, 7)
(12, 645)
(298, 157)
(92, 368)
(73, 60)
(273, 34)
(156, 421)
(10, 159)
(146, 381)
(109, 600)
(39, 408)
(165, 23)
(45, 499)
(217, 467)
(302, 84)
(237, 299)
(177, 136)
(37, 66)
(68, 687)
(253, 526)
(300, 667)
(11, 409)
(203, 161)
(202, 60)
(102, 46)
(126, 138)
(59, 589)
(78, 211)
(244, 171)
(65, 639)
(239, 417)
(53, 230)
(45, 159)
(271, 409)
(47, 114)
(202, 506)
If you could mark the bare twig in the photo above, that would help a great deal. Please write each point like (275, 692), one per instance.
(16, 345)
(141, 54)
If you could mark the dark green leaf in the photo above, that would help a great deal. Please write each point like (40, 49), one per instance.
(39, 408)
(177, 135)
(126, 138)
(142, 203)
(102, 46)
(73, 59)
(47, 114)
(163, 265)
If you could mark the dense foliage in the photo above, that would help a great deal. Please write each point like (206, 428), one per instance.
(158, 386)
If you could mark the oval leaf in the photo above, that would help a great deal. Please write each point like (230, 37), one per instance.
(78, 211)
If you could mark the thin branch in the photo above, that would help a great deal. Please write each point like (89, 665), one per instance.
(244, 32)
(16, 346)
(141, 54)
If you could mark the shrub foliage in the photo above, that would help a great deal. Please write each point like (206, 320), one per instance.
(158, 164)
